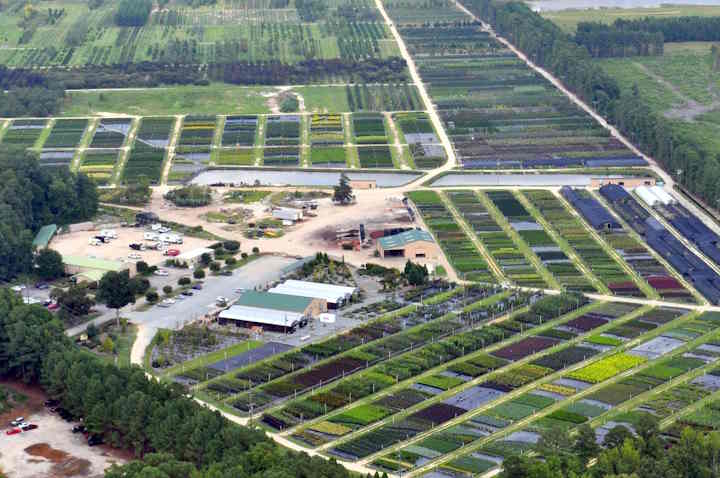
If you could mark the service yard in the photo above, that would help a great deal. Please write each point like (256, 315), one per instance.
(51, 450)
(77, 244)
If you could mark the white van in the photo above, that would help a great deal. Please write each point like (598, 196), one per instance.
(150, 236)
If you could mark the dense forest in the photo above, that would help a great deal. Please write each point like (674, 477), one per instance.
(171, 435)
(133, 13)
(695, 167)
(604, 41)
(30, 197)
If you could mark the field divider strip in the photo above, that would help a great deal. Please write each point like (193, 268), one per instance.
(125, 151)
(475, 445)
(4, 127)
(85, 141)
(460, 220)
(170, 150)
(561, 242)
(49, 125)
(439, 368)
(629, 230)
(521, 390)
(517, 240)
(216, 144)
(317, 389)
(639, 281)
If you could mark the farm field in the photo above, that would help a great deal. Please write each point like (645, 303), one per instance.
(213, 34)
(541, 396)
(100, 165)
(499, 113)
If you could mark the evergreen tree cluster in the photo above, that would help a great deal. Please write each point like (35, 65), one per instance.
(31, 197)
(133, 13)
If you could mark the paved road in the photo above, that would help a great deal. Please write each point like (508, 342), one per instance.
(257, 273)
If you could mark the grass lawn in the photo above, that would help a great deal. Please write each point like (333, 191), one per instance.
(123, 345)
(213, 99)
(324, 99)
(213, 357)
(245, 196)
(568, 19)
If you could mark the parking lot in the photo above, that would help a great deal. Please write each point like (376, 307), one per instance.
(77, 244)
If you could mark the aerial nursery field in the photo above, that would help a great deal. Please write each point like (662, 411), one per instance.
(568, 381)
(691, 100)
(70, 34)
(498, 112)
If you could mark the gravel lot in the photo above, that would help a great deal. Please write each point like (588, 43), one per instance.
(52, 451)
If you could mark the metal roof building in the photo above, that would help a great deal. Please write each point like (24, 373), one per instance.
(77, 264)
(334, 295)
(266, 300)
(44, 235)
(411, 244)
(275, 320)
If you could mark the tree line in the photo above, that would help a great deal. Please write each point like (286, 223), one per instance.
(690, 163)
(133, 13)
(170, 434)
(605, 41)
(675, 29)
(31, 197)
(646, 453)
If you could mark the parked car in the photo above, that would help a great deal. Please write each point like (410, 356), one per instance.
(18, 288)
(26, 427)
(134, 255)
(42, 286)
(197, 286)
(17, 421)
(79, 429)
(168, 301)
(226, 273)
(64, 414)
(53, 306)
(187, 293)
(13, 431)
(161, 272)
(95, 440)
(172, 252)
(51, 403)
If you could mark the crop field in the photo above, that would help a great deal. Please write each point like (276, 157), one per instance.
(66, 133)
(326, 130)
(369, 128)
(295, 371)
(99, 165)
(329, 157)
(428, 407)
(197, 132)
(662, 241)
(23, 133)
(637, 255)
(403, 97)
(425, 11)
(417, 131)
(282, 130)
(220, 33)
(540, 243)
(498, 112)
(459, 249)
(111, 133)
(155, 131)
(519, 404)
(375, 157)
(570, 228)
(511, 260)
(236, 157)
(56, 158)
(282, 156)
(239, 131)
(144, 160)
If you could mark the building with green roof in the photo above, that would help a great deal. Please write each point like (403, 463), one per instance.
(44, 236)
(267, 300)
(412, 244)
(79, 264)
(271, 311)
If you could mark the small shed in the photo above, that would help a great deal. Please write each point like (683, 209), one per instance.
(413, 244)
(288, 214)
(44, 236)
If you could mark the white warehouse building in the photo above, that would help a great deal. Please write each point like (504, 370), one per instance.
(334, 295)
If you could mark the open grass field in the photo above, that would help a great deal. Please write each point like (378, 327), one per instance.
(213, 99)
(692, 100)
(568, 19)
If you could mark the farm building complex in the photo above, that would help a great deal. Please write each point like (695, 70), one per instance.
(334, 295)
(271, 311)
(414, 244)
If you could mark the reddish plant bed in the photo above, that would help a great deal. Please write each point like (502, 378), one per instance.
(664, 283)
(525, 347)
(328, 371)
(439, 413)
(586, 322)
